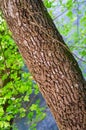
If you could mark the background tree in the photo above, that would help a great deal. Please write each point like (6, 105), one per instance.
(49, 60)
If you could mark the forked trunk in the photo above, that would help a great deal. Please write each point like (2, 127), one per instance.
(49, 60)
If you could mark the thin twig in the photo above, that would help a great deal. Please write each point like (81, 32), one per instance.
(60, 15)
(79, 58)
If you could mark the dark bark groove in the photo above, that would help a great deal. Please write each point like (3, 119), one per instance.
(49, 60)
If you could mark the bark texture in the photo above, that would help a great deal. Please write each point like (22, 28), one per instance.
(49, 60)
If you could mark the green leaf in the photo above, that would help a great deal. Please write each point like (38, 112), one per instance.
(1, 111)
(69, 14)
(26, 98)
(33, 107)
(48, 4)
(30, 115)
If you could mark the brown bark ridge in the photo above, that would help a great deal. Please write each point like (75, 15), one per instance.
(49, 60)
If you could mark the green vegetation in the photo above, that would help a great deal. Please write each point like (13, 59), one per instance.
(70, 19)
(16, 85)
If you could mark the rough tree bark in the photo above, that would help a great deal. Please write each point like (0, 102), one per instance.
(49, 60)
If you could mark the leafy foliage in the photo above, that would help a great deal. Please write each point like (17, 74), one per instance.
(16, 85)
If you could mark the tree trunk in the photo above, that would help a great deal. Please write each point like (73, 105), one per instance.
(49, 60)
